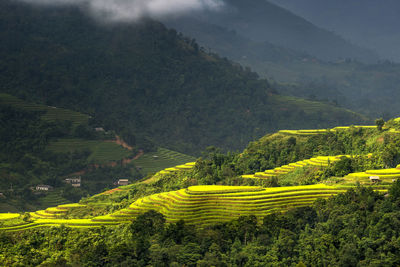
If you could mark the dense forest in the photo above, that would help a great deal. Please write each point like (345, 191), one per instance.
(145, 80)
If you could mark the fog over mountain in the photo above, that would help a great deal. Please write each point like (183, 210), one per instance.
(132, 10)
(369, 23)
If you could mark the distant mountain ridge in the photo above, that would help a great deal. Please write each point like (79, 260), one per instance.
(261, 21)
(370, 23)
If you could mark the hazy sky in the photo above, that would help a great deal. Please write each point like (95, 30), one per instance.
(131, 10)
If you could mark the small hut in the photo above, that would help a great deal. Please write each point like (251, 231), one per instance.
(44, 187)
(374, 179)
(74, 181)
(123, 182)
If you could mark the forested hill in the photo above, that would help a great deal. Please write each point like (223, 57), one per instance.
(261, 21)
(148, 83)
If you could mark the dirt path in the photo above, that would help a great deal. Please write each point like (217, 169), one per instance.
(119, 141)
(138, 155)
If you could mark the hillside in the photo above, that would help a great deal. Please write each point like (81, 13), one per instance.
(190, 220)
(296, 180)
(151, 85)
(45, 145)
(365, 88)
(274, 174)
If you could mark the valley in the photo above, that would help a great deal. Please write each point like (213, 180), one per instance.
(204, 133)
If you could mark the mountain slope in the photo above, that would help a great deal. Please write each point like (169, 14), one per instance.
(144, 81)
(370, 89)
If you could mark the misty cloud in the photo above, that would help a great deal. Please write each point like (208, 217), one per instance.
(132, 10)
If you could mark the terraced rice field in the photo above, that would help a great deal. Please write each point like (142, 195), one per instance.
(55, 212)
(196, 205)
(319, 161)
(102, 152)
(50, 113)
(74, 223)
(385, 175)
(49, 217)
(8, 216)
(52, 198)
(323, 131)
(153, 162)
(203, 205)
(183, 167)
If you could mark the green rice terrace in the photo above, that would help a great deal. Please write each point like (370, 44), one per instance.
(161, 159)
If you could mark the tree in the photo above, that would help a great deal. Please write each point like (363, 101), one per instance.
(149, 223)
(379, 123)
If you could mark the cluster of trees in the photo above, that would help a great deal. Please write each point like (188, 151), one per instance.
(360, 227)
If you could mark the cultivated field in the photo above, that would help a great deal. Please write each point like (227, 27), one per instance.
(49, 113)
(203, 205)
(323, 131)
(199, 205)
(153, 162)
(319, 161)
(101, 152)
(385, 175)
